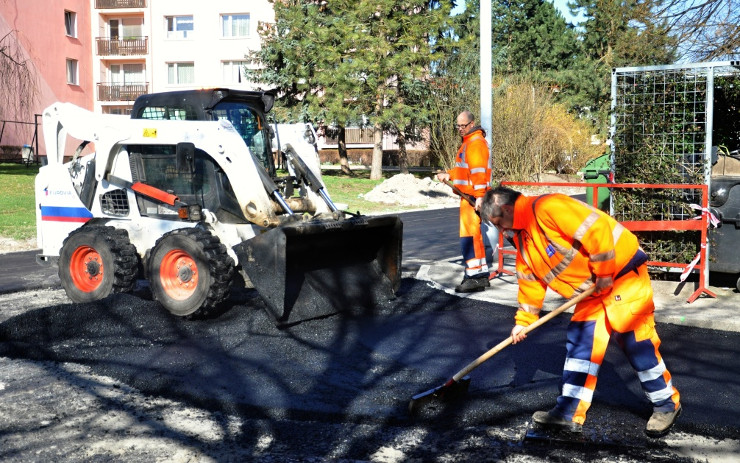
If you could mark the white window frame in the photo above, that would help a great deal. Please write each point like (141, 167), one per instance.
(118, 110)
(70, 23)
(234, 76)
(174, 66)
(123, 76)
(73, 74)
(175, 33)
(228, 20)
(123, 29)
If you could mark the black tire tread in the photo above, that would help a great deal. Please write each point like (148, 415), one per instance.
(125, 259)
(220, 267)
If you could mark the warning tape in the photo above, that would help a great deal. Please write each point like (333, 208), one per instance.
(705, 210)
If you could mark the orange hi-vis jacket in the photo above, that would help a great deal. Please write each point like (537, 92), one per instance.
(472, 171)
(564, 245)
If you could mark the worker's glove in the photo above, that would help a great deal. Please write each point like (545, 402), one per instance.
(603, 285)
(523, 320)
(478, 203)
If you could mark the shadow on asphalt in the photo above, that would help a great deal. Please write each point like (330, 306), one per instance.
(362, 368)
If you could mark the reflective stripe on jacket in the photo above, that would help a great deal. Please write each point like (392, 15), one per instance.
(562, 243)
(472, 171)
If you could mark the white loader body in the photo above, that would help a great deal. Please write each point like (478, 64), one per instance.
(58, 184)
(185, 195)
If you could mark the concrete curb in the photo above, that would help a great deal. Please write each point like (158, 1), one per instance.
(670, 297)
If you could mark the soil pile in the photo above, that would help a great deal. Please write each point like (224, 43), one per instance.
(407, 190)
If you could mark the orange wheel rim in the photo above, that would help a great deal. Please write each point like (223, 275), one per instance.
(86, 269)
(178, 273)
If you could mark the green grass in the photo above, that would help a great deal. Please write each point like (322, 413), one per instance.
(17, 209)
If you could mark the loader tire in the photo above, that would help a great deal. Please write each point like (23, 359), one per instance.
(96, 261)
(190, 272)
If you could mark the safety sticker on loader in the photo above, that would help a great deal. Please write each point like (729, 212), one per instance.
(150, 133)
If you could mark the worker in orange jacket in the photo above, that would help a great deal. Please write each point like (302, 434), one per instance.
(569, 246)
(472, 176)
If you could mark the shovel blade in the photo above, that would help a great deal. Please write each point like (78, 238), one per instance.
(449, 391)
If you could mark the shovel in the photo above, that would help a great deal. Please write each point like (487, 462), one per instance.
(457, 386)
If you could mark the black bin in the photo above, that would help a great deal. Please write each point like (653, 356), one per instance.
(724, 248)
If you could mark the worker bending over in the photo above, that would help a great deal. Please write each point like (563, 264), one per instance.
(568, 246)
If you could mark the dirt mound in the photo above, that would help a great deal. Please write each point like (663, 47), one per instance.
(407, 190)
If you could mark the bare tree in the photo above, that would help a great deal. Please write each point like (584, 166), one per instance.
(706, 29)
(18, 77)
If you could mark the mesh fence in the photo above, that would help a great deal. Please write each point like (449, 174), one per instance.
(661, 133)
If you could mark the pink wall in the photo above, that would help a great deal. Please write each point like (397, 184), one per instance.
(41, 32)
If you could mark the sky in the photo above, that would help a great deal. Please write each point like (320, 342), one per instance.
(562, 5)
(559, 4)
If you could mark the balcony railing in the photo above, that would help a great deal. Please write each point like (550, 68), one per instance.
(121, 92)
(352, 136)
(113, 4)
(122, 47)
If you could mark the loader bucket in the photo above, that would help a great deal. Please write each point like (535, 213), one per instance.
(306, 270)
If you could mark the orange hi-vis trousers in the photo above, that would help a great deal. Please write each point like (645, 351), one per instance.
(626, 315)
(471, 241)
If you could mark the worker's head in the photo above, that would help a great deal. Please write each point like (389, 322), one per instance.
(465, 122)
(498, 207)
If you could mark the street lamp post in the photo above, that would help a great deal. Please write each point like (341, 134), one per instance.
(486, 71)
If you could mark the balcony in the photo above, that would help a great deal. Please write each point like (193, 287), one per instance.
(121, 92)
(115, 4)
(352, 136)
(122, 47)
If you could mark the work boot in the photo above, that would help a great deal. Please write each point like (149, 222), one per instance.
(473, 284)
(553, 421)
(661, 422)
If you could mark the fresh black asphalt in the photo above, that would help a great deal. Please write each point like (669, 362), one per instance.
(365, 367)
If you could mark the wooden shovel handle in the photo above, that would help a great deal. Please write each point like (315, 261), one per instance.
(498, 347)
(470, 199)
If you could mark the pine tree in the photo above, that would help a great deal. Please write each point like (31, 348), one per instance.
(531, 36)
(620, 33)
(347, 61)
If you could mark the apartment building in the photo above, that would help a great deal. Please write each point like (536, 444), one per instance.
(102, 54)
(145, 46)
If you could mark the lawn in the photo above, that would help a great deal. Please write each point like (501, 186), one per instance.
(17, 209)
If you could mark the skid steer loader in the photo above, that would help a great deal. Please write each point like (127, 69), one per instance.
(184, 194)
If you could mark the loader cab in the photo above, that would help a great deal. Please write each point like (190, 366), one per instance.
(245, 110)
(203, 183)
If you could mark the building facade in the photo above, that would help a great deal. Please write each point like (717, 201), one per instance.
(52, 39)
(143, 46)
(102, 54)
